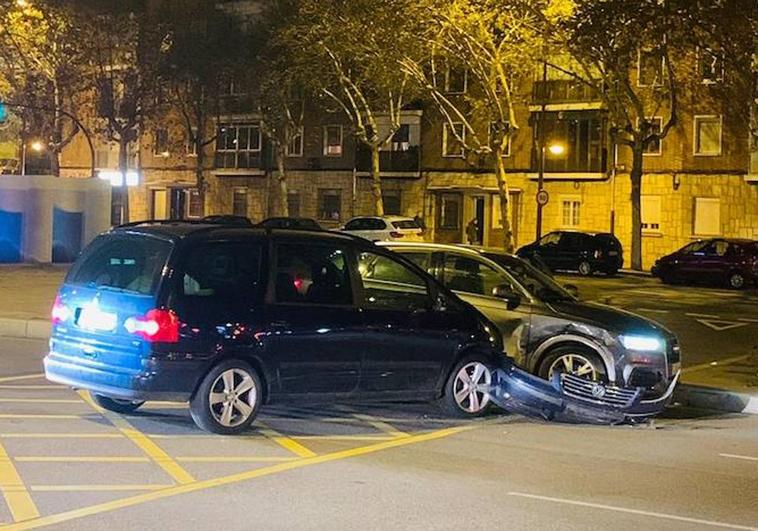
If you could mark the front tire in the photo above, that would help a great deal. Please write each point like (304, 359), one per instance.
(116, 405)
(467, 389)
(228, 399)
(570, 359)
(737, 280)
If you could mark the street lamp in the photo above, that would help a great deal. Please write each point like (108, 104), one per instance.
(36, 146)
(556, 149)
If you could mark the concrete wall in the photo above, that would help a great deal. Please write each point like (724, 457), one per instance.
(36, 198)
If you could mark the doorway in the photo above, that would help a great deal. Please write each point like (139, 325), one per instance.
(479, 210)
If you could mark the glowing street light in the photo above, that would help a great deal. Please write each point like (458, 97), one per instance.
(37, 146)
(556, 149)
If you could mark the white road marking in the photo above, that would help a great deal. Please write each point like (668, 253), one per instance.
(706, 315)
(748, 320)
(744, 457)
(719, 325)
(651, 514)
(651, 310)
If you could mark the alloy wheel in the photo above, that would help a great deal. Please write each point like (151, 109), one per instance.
(471, 387)
(233, 397)
(737, 281)
(585, 269)
(575, 364)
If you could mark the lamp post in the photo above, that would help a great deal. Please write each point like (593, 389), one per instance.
(35, 146)
(557, 150)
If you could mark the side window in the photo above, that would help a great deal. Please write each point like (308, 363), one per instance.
(312, 274)
(471, 276)
(571, 240)
(719, 248)
(376, 224)
(391, 285)
(552, 238)
(420, 258)
(222, 272)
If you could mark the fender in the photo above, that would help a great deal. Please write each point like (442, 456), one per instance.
(601, 351)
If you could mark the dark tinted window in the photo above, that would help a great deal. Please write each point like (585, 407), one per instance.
(573, 240)
(471, 276)
(552, 238)
(405, 224)
(222, 271)
(132, 264)
(390, 284)
(420, 258)
(315, 274)
(365, 224)
(607, 241)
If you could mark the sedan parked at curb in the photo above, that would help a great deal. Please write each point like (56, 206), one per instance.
(387, 228)
(729, 261)
(545, 328)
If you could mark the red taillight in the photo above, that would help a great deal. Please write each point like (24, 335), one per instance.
(156, 326)
(60, 312)
(395, 234)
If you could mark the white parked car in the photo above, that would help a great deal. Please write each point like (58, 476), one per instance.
(387, 228)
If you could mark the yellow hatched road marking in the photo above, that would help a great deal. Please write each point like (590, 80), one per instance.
(24, 377)
(61, 436)
(342, 437)
(80, 459)
(232, 459)
(286, 442)
(45, 417)
(16, 496)
(380, 425)
(231, 479)
(42, 387)
(94, 488)
(155, 452)
(40, 400)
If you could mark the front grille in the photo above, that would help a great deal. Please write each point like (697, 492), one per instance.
(597, 392)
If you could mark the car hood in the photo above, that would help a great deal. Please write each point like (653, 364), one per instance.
(607, 317)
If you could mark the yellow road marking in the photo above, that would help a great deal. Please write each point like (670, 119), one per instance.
(227, 480)
(199, 436)
(61, 435)
(232, 459)
(46, 417)
(153, 451)
(40, 400)
(380, 425)
(95, 488)
(286, 442)
(80, 459)
(342, 437)
(24, 377)
(16, 496)
(43, 387)
(715, 364)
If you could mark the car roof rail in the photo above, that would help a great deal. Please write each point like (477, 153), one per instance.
(165, 222)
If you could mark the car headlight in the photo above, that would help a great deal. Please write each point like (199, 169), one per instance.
(642, 343)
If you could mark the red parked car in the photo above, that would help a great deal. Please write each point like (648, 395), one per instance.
(725, 260)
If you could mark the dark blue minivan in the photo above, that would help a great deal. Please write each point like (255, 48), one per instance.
(229, 318)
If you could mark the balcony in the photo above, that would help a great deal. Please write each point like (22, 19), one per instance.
(555, 91)
(390, 162)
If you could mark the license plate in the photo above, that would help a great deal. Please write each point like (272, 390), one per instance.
(613, 253)
(93, 318)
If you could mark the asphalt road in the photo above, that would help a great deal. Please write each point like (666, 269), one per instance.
(712, 324)
(65, 464)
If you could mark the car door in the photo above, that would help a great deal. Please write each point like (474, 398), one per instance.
(568, 251)
(699, 260)
(473, 278)
(714, 264)
(315, 326)
(410, 339)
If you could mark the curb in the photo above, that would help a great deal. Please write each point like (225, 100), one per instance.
(716, 399)
(25, 328)
(635, 273)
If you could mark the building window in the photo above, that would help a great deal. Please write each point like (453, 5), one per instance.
(239, 202)
(102, 158)
(194, 208)
(329, 205)
(710, 65)
(295, 144)
(707, 135)
(190, 147)
(293, 204)
(392, 202)
(654, 146)
(496, 132)
(707, 218)
(401, 139)
(451, 139)
(571, 211)
(583, 135)
(651, 67)
(449, 211)
(456, 80)
(160, 142)
(333, 141)
(238, 146)
(651, 213)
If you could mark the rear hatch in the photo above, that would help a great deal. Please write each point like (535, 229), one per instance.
(105, 312)
(407, 230)
(608, 246)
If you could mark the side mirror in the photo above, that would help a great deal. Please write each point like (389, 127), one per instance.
(504, 291)
(440, 303)
(571, 288)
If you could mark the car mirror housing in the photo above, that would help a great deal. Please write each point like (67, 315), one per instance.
(505, 292)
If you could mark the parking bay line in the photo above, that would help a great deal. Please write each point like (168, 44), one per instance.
(380, 425)
(36, 376)
(61, 435)
(95, 488)
(80, 459)
(286, 442)
(40, 400)
(627, 510)
(14, 491)
(231, 479)
(155, 452)
(743, 457)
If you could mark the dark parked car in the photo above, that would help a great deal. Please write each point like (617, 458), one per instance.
(545, 328)
(577, 251)
(290, 223)
(228, 219)
(733, 262)
(229, 318)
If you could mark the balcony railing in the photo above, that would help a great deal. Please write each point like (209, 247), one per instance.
(396, 161)
(563, 91)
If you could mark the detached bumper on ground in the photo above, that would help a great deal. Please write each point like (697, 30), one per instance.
(571, 399)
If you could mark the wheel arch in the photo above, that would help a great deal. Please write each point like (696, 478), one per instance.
(547, 346)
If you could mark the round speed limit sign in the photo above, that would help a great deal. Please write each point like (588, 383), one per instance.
(542, 197)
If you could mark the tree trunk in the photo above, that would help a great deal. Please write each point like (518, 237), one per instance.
(636, 176)
(282, 178)
(376, 181)
(200, 171)
(502, 190)
(55, 155)
(123, 167)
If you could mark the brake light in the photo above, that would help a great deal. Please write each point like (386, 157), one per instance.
(60, 312)
(156, 326)
(395, 234)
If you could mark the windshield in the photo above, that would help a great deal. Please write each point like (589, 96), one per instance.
(538, 284)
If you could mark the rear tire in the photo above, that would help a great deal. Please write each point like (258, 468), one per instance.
(228, 399)
(585, 268)
(467, 388)
(116, 405)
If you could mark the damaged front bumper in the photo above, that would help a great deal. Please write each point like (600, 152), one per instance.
(572, 399)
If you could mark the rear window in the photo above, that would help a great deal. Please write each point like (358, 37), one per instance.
(608, 240)
(131, 264)
(405, 224)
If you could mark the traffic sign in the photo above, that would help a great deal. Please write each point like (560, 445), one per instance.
(542, 197)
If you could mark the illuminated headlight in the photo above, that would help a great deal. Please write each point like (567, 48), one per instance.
(642, 343)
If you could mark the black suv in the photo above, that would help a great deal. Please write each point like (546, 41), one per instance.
(229, 318)
(577, 251)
